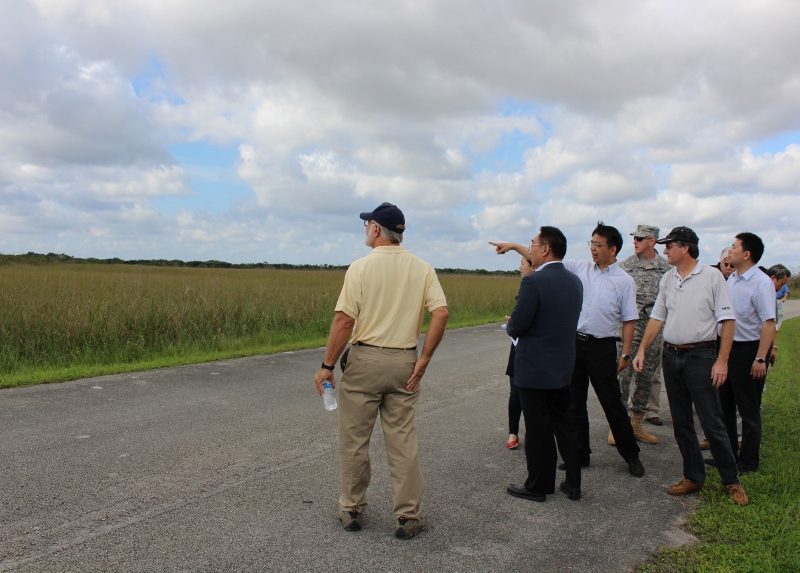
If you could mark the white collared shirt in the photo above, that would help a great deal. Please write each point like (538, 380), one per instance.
(752, 296)
(540, 267)
(692, 307)
(609, 297)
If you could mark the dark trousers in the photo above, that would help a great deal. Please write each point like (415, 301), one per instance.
(547, 415)
(514, 408)
(596, 362)
(687, 378)
(742, 392)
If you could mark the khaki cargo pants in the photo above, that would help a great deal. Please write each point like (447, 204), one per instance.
(374, 381)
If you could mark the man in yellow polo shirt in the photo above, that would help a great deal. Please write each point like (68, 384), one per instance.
(382, 304)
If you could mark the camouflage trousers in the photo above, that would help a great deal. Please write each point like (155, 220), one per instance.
(643, 380)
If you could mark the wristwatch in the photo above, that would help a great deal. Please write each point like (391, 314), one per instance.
(760, 360)
(326, 367)
(627, 357)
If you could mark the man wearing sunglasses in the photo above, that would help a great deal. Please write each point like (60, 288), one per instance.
(646, 268)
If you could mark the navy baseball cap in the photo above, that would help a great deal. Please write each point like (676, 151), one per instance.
(387, 215)
(683, 234)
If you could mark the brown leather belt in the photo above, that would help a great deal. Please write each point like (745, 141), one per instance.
(692, 346)
(359, 343)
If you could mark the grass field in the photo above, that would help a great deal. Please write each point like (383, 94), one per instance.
(63, 321)
(794, 287)
(763, 537)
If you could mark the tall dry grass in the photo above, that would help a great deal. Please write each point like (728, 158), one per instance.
(60, 316)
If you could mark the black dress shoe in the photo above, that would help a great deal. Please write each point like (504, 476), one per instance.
(574, 493)
(563, 466)
(710, 462)
(635, 467)
(519, 490)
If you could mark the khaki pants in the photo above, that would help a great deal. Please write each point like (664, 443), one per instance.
(375, 381)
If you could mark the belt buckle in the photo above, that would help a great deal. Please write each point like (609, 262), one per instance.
(582, 336)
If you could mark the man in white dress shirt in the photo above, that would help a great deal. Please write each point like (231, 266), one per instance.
(752, 293)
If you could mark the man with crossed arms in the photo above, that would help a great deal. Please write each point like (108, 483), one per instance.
(692, 300)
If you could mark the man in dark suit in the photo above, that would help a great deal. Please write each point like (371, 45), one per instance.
(545, 319)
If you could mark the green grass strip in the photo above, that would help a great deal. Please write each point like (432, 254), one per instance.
(763, 537)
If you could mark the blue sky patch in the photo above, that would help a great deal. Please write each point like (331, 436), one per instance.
(212, 175)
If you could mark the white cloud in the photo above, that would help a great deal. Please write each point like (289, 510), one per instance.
(465, 114)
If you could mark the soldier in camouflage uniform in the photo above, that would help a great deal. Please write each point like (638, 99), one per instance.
(646, 267)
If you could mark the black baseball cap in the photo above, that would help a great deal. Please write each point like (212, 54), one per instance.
(684, 234)
(387, 215)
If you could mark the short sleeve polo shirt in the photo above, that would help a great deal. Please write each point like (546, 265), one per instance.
(692, 307)
(387, 293)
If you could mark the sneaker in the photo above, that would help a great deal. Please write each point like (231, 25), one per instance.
(684, 487)
(408, 528)
(738, 495)
(351, 520)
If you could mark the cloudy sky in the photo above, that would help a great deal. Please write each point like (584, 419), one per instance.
(257, 130)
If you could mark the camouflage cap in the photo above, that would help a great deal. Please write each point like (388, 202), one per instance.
(684, 234)
(645, 231)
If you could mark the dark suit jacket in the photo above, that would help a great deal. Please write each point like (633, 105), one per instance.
(545, 319)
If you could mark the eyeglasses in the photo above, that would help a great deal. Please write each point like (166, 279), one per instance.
(367, 223)
(668, 246)
(538, 244)
(596, 244)
(640, 239)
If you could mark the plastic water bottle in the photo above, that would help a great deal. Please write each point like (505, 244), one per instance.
(328, 396)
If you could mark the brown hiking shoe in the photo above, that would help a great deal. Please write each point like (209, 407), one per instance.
(408, 528)
(351, 520)
(704, 445)
(639, 432)
(738, 495)
(684, 487)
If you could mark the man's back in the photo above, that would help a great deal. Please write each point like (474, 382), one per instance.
(387, 292)
(545, 319)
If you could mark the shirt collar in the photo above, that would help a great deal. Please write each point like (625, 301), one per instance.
(696, 270)
(389, 249)
(608, 269)
(749, 273)
(544, 265)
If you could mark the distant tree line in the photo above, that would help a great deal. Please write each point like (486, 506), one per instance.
(32, 258)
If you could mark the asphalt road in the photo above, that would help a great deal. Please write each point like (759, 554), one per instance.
(232, 466)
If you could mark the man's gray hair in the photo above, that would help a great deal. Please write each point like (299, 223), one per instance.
(779, 272)
(393, 236)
